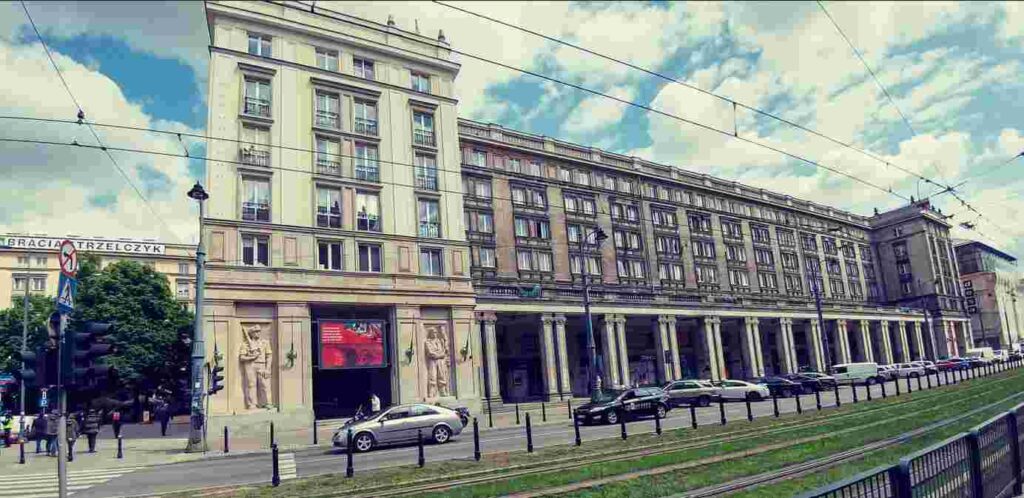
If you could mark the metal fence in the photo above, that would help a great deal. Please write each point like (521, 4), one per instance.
(982, 463)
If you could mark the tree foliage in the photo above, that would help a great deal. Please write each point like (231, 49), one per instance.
(11, 319)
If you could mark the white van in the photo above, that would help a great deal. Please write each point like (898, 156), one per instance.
(984, 354)
(856, 373)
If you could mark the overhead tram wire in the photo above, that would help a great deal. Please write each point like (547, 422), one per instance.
(691, 86)
(81, 116)
(321, 12)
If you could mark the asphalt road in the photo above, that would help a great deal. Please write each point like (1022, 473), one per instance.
(256, 468)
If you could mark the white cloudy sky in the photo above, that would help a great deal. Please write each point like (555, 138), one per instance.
(953, 69)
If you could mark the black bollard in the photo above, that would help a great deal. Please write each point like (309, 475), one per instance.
(315, 436)
(529, 434)
(909, 388)
(349, 471)
(867, 387)
(71, 451)
(120, 449)
(272, 442)
(476, 440)
(884, 394)
(622, 426)
(517, 413)
(576, 429)
(275, 477)
(853, 387)
(420, 458)
(928, 378)
(21, 451)
(657, 423)
(947, 377)
(799, 408)
(750, 413)
(721, 411)
(835, 389)
(543, 412)
(775, 405)
(568, 406)
(817, 399)
(225, 439)
(693, 416)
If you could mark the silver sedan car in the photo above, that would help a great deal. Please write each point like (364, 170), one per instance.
(400, 424)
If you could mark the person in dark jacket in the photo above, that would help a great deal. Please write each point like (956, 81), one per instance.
(52, 426)
(115, 419)
(163, 415)
(91, 427)
(39, 431)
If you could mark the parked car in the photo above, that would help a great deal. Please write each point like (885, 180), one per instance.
(984, 354)
(780, 386)
(400, 424)
(857, 373)
(609, 405)
(689, 392)
(952, 364)
(813, 381)
(1015, 356)
(730, 389)
(909, 370)
(927, 365)
(887, 372)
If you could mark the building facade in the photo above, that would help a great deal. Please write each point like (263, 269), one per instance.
(31, 261)
(992, 283)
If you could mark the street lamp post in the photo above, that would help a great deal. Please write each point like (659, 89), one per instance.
(24, 345)
(599, 236)
(821, 322)
(196, 442)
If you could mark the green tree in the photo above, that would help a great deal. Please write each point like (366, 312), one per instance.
(11, 319)
(149, 324)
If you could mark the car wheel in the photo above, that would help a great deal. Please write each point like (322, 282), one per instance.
(752, 396)
(442, 434)
(612, 417)
(363, 442)
(704, 401)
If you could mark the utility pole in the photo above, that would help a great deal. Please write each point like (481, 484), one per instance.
(821, 324)
(24, 343)
(196, 441)
(62, 407)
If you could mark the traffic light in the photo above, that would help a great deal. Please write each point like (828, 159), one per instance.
(33, 374)
(216, 378)
(84, 355)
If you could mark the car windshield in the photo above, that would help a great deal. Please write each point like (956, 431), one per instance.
(605, 395)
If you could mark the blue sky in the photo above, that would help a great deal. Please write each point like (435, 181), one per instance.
(953, 69)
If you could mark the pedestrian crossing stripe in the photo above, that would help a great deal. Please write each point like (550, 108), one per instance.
(45, 485)
(285, 466)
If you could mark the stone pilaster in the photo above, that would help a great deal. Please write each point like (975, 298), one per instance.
(918, 339)
(784, 341)
(493, 382)
(661, 350)
(751, 344)
(564, 382)
(864, 336)
(842, 345)
(887, 357)
(901, 332)
(713, 344)
(620, 332)
(673, 342)
(611, 352)
(817, 353)
(547, 356)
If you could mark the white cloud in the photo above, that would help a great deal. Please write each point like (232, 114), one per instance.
(596, 113)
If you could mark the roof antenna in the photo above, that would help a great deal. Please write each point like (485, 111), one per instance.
(417, 21)
(391, 20)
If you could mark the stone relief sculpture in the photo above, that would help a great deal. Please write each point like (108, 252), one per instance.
(256, 358)
(438, 361)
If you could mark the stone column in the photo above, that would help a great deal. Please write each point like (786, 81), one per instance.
(817, 353)
(620, 327)
(904, 348)
(611, 353)
(887, 357)
(918, 339)
(660, 348)
(842, 345)
(564, 383)
(752, 347)
(787, 350)
(547, 357)
(713, 344)
(489, 321)
(673, 342)
(952, 347)
(757, 347)
(865, 340)
(963, 342)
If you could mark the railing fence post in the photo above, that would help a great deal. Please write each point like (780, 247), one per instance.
(1013, 431)
(476, 440)
(775, 405)
(750, 413)
(835, 389)
(817, 399)
(275, 476)
(900, 478)
(974, 454)
(349, 470)
(576, 429)
(421, 459)
(721, 410)
(693, 416)
(529, 434)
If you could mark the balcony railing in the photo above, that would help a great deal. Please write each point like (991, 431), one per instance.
(426, 180)
(366, 126)
(327, 166)
(328, 218)
(256, 211)
(430, 229)
(327, 119)
(257, 107)
(367, 173)
(255, 157)
(423, 137)
(368, 222)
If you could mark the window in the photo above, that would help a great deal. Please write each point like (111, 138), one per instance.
(423, 128)
(856, 290)
(703, 249)
(430, 262)
(699, 223)
(900, 250)
(629, 268)
(367, 168)
(873, 290)
(837, 287)
(664, 218)
(478, 158)
(790, 261)
(430, 218)
(528, 260)
(369, 258)
(739, 278)
(869, 271)
(627, 240)
(767, 280)
(255, 146)
(849, 251)
(23, 260)
(668, 245)
(764, 256)
(582, 177)
(420, 82)
(366, 117)
(809, 242)
(669, 271)
(897, 231)
(327, 107)
(813, 266)
(707, 274)
(865, 254)
(731, 230)
(533, 168)
(786, 237)
(625, 185)
(593, 264)
(829, 245)
(903, 268)
(476, 187)
(256, 200)
(735, 253)
(255, 250)
(852, 270)
(485, 257)
(760, 234)
(906, 287)
(832, 266)
(514, 165)
(580, 205)
(479, 222)
(257, 97)
(327, 59)
(564, 174)
(532, 228)
(367, 211)
(627, 212)
(328, 207)
(363, 68)
(609, 182)
(259, 45)
(529, 197)
(426, 172)
(793, 284)
(182, 289)
(327, 151)
(329, 255)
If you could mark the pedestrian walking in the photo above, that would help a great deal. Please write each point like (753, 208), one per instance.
(52, 421)
(73, 428)
(91, 427)
(115, 419)
(163, 415)
(39, 431)
(8, 427)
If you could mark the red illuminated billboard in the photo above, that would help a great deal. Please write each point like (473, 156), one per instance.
(351, 344)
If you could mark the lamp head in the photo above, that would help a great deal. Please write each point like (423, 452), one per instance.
(600, 236)
(198, 193)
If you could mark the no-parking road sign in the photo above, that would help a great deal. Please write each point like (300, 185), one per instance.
(68, 258)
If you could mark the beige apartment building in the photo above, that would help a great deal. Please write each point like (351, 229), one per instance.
(31, 260)
(992, 285)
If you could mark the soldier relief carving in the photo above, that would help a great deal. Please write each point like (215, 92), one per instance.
(256, 358)
(438, 361)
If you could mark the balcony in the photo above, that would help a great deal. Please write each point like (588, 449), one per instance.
(366, 126)
(328, 218)
(257, 107)
(368, 173)
(426, 180)
(254, 157)
(327, 119)
(430, 229)
(327, 166)
(256, 211)
(424, 137)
